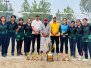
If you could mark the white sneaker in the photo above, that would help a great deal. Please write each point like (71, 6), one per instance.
(79, 58)
(85, 60)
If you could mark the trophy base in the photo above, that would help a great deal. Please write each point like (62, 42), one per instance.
(50, 57)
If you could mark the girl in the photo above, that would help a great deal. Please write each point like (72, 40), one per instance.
(20, 36)
(3, 36)
(72, 39)
(79, 38)
(64, 29)
(28, 35)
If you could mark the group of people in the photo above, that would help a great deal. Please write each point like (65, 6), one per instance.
(77, 33)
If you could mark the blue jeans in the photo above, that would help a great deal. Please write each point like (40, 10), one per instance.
(89, 48)
(12, 36)
(80, 45)
(3, 40)
(85, 47)
(72, 45)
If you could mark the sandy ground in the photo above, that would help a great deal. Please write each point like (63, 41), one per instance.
(21, 62)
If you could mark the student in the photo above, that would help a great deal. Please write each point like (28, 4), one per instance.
(36, 28)
(89, 42)
(11, 33)
(54, 26)
(3, 35)
(72, 39)
(79, 38)
(86, 32)
(45, 35)
(28, 36)
(64, 30)
(20, 36)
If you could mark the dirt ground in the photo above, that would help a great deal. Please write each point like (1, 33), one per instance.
(21, 62)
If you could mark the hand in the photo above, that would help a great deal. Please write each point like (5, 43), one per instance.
(19, 27)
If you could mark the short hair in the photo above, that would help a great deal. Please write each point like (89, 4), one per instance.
(65, 18)
(85, 19)
(2, 17)
(21, 19)
(73, 22)
(13, 16)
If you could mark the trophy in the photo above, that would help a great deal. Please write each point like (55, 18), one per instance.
(66, 57)
(28, 56)
(49, 54)
(37, 56)
(33, 56)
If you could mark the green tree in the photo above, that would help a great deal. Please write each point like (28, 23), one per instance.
(25, 8)
(44, 7)
(67, 13)
(85, 6)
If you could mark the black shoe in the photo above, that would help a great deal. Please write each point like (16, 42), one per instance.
(25, 54)
(4, 55)
(12, 54)
(21, 53)
(18, 54)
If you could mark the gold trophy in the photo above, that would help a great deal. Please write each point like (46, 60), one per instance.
(33, 56)
(49, 54)
(28, 56)
(37, 56)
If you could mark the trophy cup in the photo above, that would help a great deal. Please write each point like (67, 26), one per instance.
(28, 56)
(37, 56)
(49, 54)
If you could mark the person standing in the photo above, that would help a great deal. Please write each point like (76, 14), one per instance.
(79, 38)
(45, 39)
(28, 36)
(36, 29)
(86, 32)
(3, 35)
(72, 39)
(54, 26)
(11, 33)
(20, 36)
(64, 31)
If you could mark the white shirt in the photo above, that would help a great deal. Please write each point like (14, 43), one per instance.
(45, 29)
(37, 26)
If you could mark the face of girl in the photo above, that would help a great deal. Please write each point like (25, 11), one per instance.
(13, 19)
(21, 21)
(72, 24)
(84, 21)
(3, 19)
(64, 21)
(78, 23)
(29, 21)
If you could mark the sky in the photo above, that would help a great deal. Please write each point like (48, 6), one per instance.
(55, 5)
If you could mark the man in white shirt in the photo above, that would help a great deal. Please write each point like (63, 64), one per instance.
(45, 39)
(36, 28)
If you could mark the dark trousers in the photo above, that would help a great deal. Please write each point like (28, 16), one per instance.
(55, 39)
(64, 40)
(35, 37)
(80, 45)
(12, 36)
(19, 46)
(89, 47)
(3, 43)
(27, 43)
(85, 48)
(72, 46)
